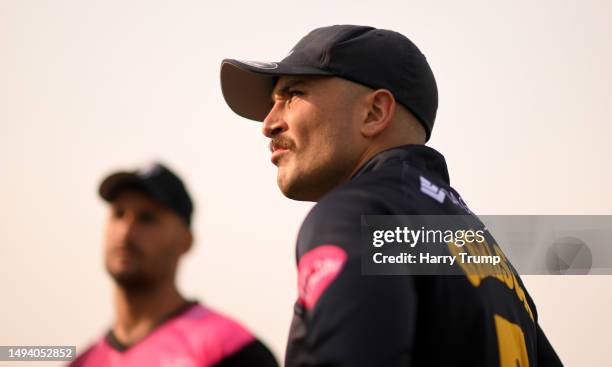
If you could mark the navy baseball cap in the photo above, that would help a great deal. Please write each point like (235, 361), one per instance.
(155, 180)
(376, 58)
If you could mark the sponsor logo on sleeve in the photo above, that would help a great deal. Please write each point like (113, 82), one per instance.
(317, 269)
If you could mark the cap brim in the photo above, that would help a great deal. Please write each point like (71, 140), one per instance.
(112, 186)
(247, 85)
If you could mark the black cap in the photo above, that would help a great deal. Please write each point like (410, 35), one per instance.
(157, 181)
(377, 58)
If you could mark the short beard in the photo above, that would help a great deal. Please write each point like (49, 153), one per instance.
(314, 185)
(133, 283)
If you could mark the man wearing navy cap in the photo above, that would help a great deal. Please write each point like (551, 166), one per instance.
(348, 112)
(148, 230)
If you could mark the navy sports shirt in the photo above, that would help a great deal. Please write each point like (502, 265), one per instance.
(343, 318)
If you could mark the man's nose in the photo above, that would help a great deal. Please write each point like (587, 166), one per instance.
(126, 227)
(274, 123)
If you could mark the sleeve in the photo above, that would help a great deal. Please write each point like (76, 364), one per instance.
(254, 354)
(547, 357)
(343, 318)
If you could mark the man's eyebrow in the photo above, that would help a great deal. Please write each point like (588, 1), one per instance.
(284, 90)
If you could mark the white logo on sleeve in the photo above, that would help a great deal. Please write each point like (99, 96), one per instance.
(439, 194)
(432, 190)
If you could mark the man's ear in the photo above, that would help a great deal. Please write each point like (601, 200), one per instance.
(381, 109)
(186, 240)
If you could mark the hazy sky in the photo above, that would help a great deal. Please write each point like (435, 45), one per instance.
(87, 87)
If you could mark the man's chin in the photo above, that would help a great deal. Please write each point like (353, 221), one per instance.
(295, 190)
(286, 185)
(294, 196)
(131, 280)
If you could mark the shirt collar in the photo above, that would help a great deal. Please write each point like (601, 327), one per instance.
(115, 343)
(419, 156)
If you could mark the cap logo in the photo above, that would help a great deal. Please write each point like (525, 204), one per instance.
(149, 170)
(261, 64)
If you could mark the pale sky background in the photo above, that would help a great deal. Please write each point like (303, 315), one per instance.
(87, 87)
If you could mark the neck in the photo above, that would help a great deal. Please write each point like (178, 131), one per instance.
(138, 312)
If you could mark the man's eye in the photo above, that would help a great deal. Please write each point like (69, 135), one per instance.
(118, 212)
(147, 217)
(294, 92)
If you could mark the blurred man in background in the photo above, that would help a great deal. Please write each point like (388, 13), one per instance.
(148, 230)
